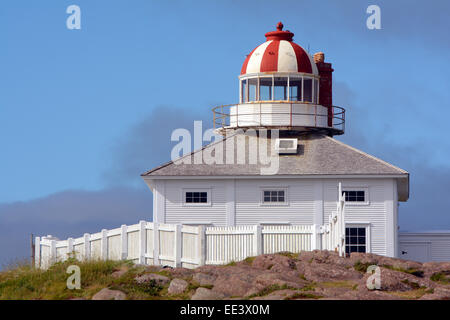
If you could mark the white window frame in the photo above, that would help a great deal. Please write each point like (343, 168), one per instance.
(365, 225)
(200, 204)
(357, 203)
(274, 204)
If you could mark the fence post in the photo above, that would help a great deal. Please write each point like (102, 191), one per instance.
(142, 241)
(155, 243)
(314, 237)
(37, 252)
(104, 245)
(53, 251)
(87, 246)
(124, 238)
(177, 245)
(257, 240)
(70, 248)
(201, 245)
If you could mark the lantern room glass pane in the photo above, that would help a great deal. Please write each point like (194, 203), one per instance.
(295, 89)
(265, 89)
(252, 85)
(244, 91)
(316, 91)
(280, 88)
(307, 90)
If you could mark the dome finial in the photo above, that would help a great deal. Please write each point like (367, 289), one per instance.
(279, 26)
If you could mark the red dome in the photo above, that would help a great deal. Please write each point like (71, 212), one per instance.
(279, 54)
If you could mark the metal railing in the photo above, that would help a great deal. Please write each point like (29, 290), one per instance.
(223, 119)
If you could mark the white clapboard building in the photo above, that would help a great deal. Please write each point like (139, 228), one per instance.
(282, 87)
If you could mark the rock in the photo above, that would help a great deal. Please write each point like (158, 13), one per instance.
(159, 279)
(206, 294)
(107, 294)
(234, 281)
(204, 279)
(277, 295)
(177, 286)
(118, 273)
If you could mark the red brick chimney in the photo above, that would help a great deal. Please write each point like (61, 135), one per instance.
(325, 84)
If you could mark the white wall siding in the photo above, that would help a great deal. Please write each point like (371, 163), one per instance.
(380, 194)
(299, 210)
(177, 212)
(438, 243)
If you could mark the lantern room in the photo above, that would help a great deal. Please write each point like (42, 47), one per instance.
(281, 86)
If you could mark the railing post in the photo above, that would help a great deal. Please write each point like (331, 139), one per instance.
(53, 251)
(201, 245)
(70, 252)
(87, 246)
(37, 252)
(142, 241)
(314, 237)
(155, 243)
(124, 238)
(257, 240)
(177, 246)
(104, 245)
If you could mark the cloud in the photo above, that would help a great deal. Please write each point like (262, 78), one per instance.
(148, 144)
(69, 214)
(124, 200)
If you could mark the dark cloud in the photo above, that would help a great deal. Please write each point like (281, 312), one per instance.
(69, 213)
(125, 200)
(148, 144)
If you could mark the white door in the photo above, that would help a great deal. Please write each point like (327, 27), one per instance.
(415, 251)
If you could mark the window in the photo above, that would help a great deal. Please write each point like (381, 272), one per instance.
(355, 239)
(280, 88)
(307, 90)
(274, 196)
(196, 197)
(252, 86)
(355, 195)
(244, 91)
(265, 89)
(316, 91)
(295, 89)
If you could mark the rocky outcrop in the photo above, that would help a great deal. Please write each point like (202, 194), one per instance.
(107, 294)
(177, 286)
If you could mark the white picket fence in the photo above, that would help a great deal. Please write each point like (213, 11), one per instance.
(192, 246)
(178, 245)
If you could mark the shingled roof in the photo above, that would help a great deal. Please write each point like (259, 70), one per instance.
(317, 155)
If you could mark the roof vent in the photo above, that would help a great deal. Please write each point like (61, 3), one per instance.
(286, 146)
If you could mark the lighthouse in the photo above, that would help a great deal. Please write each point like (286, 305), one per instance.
(281, 86)
(285, 106)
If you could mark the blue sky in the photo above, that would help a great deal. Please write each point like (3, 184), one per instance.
(84, 112)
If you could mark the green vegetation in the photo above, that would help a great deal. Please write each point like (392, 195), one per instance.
(288, 254)
(415, 272)
(362, 267)
(25, 282)
(442, 277)
(302, 295)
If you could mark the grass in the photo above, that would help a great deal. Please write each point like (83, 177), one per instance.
(26, 282)
(415, 272)
(338, 284)
(288, 254)
(269, 289)
(362, 267)
(303, 295)
(249, 260)
(442, 277)
(412, 294)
